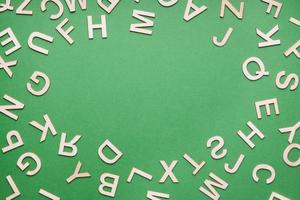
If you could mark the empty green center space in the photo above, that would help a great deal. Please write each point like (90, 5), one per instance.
(155, 97)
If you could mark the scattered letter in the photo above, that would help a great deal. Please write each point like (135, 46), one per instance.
(77, 173)
(13, 145)
(142, 16)
(218, 182)
(264, 167)
(217, 148)
(169, 171)
(14, 187)
(16, 105)
(267, 37)
(104, 184)
(254, 132)
(237, 13)
(26, 165)
(11, 38)
(188, 15)
(70, 145)
(48, 126)
(34, 77)
(101, 26)
(112, 147)
(267, 104)
(40, 36)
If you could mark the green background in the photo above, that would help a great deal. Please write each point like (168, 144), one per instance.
(154, 97)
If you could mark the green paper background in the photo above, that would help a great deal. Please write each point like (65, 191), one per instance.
(154, 97)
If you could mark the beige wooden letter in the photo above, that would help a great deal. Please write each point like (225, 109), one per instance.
(224, 40)
(48, 195)
(212, 192)
(267, 104)
(42, 36)
(272, 3)
(16, 193)
(77, 173)
(264, 167)
(291, 77)
(258, 74)
(113, 148)
(70, 145)
(141, 27)
(237, 13)
(196, 165)
(20, 10)
(291, 130)
(267, 37)
(286, 152)
(167, 3)
(58, 4)
(236, 165)
(65, 33)
(11, 144)
(34, 77)
(154, 195)
(104, 184)
(138, 172)
(188, 15)
(10, 39)
(48, 126)
(255, 131)
(112, 5)
(6, 66)
(72, 7)
(101, 26)
(293, 49)
(16, 105)
(27, 164)
(276, 196)
(6, 6)
(168, 171)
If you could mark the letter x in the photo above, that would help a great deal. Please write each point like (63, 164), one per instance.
(168, 172)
